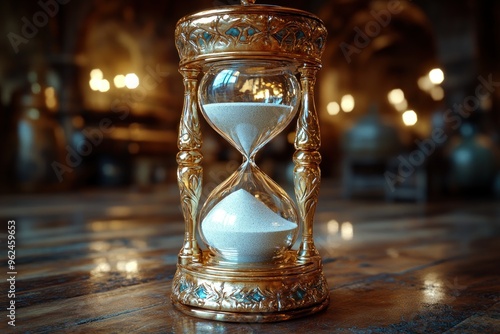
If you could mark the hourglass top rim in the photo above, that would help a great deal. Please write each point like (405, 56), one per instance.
(252, 9)
(250, 32)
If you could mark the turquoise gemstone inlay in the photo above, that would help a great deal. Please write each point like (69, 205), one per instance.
(319, 43)
(242, 32)
(235, 32)
(280, 35)
(257, 296)
(204, 38)
(241, 298)
(299, 294)
(251, 297)
(183, 286)
(207, 36)
(201, 292)
(300, 34)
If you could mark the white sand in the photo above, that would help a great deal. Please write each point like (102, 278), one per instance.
(248, 123)
(244, 229)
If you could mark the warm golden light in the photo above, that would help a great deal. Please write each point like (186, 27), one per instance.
(119, 81)
(101, 267)
(127, 266)
(396, 96)
(436, 76)
(432, 289)
(50, 97)
(104, 86)
(121, 211)
(50, 92)
(347, 103)
(95, 84)
(96, 74)
(333, 226)
(410, 118)
(97, 81)
(425, 83)
(401, 106)
(437, 93)
(131, 81)
(99, 246)
(333, 108)
(347, 231)
(392, 252)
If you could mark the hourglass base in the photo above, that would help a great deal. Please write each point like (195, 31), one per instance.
(251, 294)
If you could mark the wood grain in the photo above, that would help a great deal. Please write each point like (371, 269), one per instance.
(103, 262)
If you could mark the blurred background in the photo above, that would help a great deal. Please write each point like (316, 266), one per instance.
(408, 98)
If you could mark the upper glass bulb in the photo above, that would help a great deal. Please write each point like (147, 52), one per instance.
(249, 102)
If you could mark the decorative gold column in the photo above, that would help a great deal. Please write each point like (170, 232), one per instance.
(189, 171)
(307, 173)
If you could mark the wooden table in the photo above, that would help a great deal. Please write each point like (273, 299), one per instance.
(103, 262)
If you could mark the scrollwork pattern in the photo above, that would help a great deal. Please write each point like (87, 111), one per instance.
(272, 296)
(256, 30)
(189, 171)
(307, 174)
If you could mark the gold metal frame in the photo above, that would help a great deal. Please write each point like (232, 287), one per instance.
(295, 286)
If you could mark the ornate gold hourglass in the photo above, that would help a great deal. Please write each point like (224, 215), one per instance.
(249, 69)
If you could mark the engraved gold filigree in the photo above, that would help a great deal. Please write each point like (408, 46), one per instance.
(189, 171)
(307, 173)
(266, 32)
(251, 291)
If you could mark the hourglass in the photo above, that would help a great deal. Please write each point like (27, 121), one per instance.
(257, 66)
(248, 218)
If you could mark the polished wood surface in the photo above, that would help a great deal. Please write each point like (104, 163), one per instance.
(103, 262)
